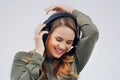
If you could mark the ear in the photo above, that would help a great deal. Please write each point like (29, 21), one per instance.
(70, 48)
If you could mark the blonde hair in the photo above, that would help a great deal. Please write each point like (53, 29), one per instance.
(64, 69)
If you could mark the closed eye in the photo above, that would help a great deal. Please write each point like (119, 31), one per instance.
(59, 39)
(70, 42)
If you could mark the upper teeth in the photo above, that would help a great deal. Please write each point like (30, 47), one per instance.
(59, 50)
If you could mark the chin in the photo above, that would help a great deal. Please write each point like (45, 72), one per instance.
(57, 56)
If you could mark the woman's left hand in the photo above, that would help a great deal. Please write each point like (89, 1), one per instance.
(59, 8)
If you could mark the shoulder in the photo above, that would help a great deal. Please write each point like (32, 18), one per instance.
(21, 53)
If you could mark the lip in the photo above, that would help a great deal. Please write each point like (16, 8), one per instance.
(58, 51)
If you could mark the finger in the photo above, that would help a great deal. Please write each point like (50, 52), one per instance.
(43, 32)
(47, 10)
(39, 36)
(39, 28)
(51, 8)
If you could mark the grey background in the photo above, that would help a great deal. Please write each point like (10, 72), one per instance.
(19, 18)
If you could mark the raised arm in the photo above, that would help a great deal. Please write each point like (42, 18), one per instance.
(88, 39)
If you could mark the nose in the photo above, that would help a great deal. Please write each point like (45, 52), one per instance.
(63, 46)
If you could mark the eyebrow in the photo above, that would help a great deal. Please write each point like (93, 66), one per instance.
(57, 36)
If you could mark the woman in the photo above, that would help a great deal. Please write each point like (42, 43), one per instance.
(52, 58)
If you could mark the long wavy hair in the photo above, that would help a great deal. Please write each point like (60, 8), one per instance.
(62, 65)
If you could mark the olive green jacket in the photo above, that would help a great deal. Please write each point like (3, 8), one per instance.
(22, 71)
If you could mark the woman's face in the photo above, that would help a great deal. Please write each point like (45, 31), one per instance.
(60, 41)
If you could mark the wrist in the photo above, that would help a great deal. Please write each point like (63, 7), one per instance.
(39, 51)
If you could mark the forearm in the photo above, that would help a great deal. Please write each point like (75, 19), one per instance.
(87, 26)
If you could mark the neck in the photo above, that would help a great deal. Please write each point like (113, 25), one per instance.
(50, 58)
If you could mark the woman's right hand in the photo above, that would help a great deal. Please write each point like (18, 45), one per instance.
(39, 45)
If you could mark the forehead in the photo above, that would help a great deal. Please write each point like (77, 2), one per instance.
(64, 32)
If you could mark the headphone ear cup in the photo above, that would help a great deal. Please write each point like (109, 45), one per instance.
(45, 38)
(70, 48)
(45, 35)
(71, 51)
(75, 41)
(77, 36)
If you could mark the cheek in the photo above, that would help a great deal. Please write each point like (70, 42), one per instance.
(51, 43)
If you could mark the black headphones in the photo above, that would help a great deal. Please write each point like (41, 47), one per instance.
(55, 16)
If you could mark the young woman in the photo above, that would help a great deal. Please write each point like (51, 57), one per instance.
(59, 56)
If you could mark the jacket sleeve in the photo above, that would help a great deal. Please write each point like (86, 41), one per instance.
(87, 40)
(22, 71)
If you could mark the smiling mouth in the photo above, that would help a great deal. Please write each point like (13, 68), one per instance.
(58, 51)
